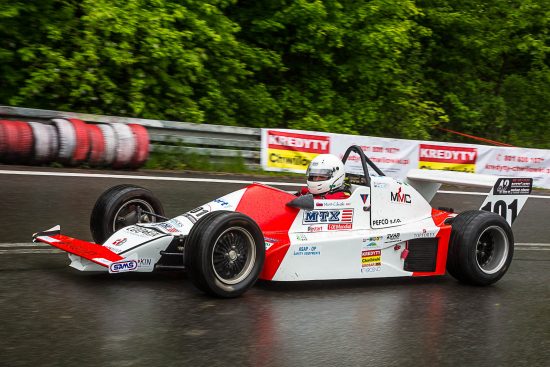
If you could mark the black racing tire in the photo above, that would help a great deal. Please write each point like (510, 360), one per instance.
(117, 207)
(224, 253)
(481, 247)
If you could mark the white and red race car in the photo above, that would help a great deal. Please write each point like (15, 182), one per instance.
(386, 228)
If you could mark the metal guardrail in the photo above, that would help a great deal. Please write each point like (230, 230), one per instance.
(216, 141)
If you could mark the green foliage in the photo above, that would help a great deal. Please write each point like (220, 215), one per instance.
(396, 68)
(488, 65)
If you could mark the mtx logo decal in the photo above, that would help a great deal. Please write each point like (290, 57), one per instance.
(400, 197)
(123, 266)
(328, 216)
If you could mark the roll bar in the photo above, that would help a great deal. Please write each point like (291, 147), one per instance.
(365, 162)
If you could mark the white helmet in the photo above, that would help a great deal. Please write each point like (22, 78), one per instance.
(325, 173)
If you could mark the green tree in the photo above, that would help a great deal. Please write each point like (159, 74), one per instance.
(349, 66)
(488, 67)
(155, 59)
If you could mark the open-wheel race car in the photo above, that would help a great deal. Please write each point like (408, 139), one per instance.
(386, 228)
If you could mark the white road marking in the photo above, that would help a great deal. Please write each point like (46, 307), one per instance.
(135, 177)
(190, 179)
(24, 245)
(30, 251)
(16, 251)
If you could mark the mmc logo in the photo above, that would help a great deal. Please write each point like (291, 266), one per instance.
(398, 197)
(123, 266)
(328, 216)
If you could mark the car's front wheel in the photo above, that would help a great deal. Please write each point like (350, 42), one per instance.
(224, 253)
(121, 206)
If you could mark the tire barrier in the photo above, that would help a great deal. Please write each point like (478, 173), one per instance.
(74, 142)
(97, 146)
(110, 143)
(45, 142)
(141, 137)
(125, 145)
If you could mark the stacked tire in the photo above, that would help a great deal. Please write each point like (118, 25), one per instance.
(73, 142)
(16, 141)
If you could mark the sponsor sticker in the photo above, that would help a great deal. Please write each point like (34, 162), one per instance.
(332, 203)
(307, 251)
(513, 186)
(123, 266)
(176, 223)
(385, 221)
(167, 226)
(301, 237)
(364, 197)
(335, 227)
(371, 258)
(142, 231)
(370, 244)
(314, 228)
(450, 158)
(200, 211)
(426, 234)
(400, 197)
(119, 242)
(223, 203)
(393, 237)
(270, 242)
(328, 216)
(370, 269)
(294, 151)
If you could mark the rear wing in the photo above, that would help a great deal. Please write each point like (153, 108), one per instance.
(506, 198)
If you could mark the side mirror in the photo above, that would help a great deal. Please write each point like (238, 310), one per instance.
(304, 202)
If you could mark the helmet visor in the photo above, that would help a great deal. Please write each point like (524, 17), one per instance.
(317, 174)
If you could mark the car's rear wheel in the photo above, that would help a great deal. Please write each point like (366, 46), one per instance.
(121, 206)
(224, 253)
(481, 247)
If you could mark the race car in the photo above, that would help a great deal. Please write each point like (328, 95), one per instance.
(386, 228)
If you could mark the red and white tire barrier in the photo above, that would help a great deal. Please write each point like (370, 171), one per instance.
(82, 146)
(45, 142)
(109, 139)
(72, 141)
(141, 152)
(96, 156)
(16, 141)
(125, 145)
(66, 139)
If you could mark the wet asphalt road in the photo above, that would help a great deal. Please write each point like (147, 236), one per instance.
(53, 315)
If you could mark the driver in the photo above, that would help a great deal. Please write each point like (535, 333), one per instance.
(325, 178)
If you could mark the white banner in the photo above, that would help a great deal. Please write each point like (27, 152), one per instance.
(292, 150)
